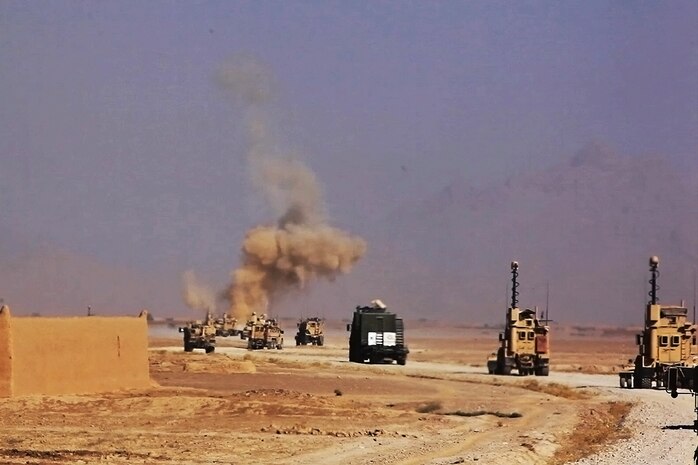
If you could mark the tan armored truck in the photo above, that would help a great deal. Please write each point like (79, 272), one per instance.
(225, 326)
(245, 333)
(265, 333)
(311, 331)
(525, 342)
(667, 340)
(200, 335)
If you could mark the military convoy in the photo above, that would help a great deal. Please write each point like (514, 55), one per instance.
(265, 334)
(225, 326)
(665, 342)
(377, 335)
(525, 342)
(200, 335)
(310, 331)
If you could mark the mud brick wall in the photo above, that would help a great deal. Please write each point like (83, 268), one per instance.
(72, 355)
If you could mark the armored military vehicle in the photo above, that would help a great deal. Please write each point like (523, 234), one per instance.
(666, 341)
(265, 333)
(525, 342)
(686, 379)
(200, 335)
(225, 326)
(245, 333)
(377, 335)
(311, 331)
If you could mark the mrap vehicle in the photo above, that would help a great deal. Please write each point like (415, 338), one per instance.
(666, 341)
(525, 342)
(265, 334)
(311, 331)
(377, 335)
(200, 335)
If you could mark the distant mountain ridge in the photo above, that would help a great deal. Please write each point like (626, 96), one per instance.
(586, 226)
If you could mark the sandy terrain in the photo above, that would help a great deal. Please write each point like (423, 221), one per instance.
(305, 405)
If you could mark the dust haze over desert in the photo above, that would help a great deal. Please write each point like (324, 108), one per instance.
(402, 152)
(299, 159)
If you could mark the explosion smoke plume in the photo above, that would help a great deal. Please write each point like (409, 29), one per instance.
(196, 295)
(301, 246)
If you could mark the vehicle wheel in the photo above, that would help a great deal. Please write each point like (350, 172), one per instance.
(623, 383)
(279, 346)
(298, 342)
(188, 348)
(401, 360)
(506, 370)
(210, 349)
(646, 383)
(321, 341)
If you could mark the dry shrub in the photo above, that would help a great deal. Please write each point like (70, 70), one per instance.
(429, 407)
(478, 413)
(556, 389)
(597, 427)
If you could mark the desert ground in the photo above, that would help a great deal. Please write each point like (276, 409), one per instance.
(307, 405)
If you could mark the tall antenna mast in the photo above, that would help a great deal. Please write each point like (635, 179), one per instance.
(514, 284)
(694, 296)
(547, 302)
(654, 287)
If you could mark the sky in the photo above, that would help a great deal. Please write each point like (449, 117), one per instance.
(116, 144)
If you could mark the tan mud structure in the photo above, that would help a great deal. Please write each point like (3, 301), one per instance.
(72, 355)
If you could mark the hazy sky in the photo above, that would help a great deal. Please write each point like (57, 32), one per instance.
(116, 143)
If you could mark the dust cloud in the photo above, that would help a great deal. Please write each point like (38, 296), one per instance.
(301, 246)
(196, 295)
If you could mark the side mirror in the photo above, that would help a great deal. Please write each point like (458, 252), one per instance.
(181, 330)
(348, 326)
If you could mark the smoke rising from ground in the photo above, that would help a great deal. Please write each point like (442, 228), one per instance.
(301, 246)
(196, 295)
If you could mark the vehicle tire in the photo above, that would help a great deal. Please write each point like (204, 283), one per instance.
(623, 383)
(298, 342)
(188, 347)
(321, 341)
(279, 347)
(210, 349)
(506, 370)
(646, 383)
(401, 360)
(544, 371)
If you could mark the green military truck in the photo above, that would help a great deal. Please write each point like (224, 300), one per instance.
(376, 335)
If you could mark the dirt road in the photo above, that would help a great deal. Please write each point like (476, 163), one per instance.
(305, 405)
